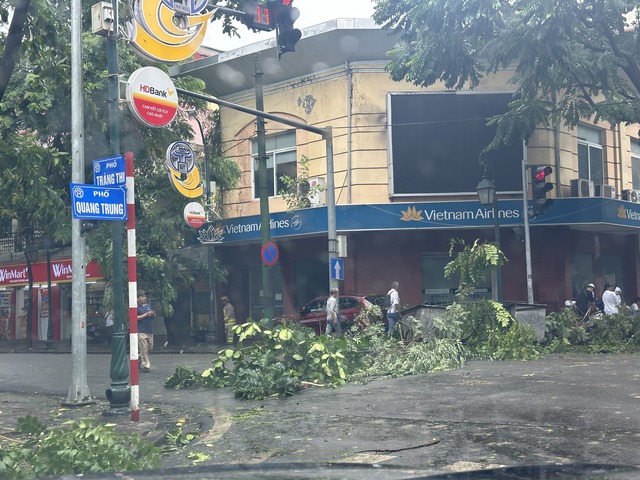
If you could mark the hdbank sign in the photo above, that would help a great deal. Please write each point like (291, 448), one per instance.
(152, 96)
(168, 30)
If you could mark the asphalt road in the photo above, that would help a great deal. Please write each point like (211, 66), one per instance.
(556, 410)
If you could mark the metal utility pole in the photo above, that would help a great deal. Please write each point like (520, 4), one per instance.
(527, 239)
(263, 190)
(79, 390)
(119, 393)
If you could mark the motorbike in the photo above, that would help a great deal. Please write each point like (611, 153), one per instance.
(94, 333)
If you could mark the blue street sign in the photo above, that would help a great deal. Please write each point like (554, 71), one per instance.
(110, 171)
(337, 269)
(89, 202)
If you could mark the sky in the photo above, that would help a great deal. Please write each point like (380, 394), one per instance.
(312, 12)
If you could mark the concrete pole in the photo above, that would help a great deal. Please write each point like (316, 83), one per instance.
(79, 390)
(332, 236)
(263, 190)
(527, 239)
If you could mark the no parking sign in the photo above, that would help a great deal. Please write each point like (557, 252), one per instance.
(270, 254)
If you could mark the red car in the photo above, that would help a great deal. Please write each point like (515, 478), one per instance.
(314, 313)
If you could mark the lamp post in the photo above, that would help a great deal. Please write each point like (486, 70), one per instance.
(31, 255)
(487, 195)
(215, 325)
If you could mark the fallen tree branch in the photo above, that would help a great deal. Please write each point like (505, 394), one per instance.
(428, 444)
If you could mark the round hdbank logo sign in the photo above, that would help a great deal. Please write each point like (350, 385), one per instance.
(152, 96)
(194, 214)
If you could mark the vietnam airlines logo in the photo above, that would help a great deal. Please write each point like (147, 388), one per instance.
(622, 212)
(211, 234)
(168, 30)
(411, 215)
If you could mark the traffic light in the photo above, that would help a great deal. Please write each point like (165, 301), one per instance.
(259, 15)
(286, 35)
(539, 188)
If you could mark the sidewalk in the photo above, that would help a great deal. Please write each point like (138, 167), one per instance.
(40, 346)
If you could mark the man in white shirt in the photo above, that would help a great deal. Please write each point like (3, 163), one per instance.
(610, 300)
(393, 312)
(333, 317)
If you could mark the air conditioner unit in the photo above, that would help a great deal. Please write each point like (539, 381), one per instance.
(318, 187)
(631, 196)
(581, 187)
(606, 191)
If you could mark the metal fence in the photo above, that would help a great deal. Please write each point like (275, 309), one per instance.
(19, 242)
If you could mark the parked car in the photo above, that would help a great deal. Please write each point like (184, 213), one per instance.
(314, 313)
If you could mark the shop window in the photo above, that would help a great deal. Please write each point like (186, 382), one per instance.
(256, 294)
(635, 163)
(281, 160)
(590, 155)
(310, 280)
(581, 272)
(438, 290)
(612, 271)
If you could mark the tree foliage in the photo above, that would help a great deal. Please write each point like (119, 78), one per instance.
(570, 59)
(35, 158)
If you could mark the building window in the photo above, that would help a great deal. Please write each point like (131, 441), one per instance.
(281, 160)
(635, 163)
(590, 164)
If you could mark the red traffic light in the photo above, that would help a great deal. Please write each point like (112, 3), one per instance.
(540, 173)
(540, 187)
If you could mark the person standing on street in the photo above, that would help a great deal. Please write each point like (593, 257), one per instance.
(108, 323)
(586, 302)
(618, 292)
(229, 313)
(393, 312)
(610, 300)
(145, 330)
(333, 318)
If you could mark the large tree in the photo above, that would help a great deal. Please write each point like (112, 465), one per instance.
(35, 164)
(572, 59)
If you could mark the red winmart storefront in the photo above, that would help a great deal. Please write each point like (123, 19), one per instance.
(15, 294)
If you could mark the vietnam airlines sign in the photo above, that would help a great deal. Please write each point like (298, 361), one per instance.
(168, 30)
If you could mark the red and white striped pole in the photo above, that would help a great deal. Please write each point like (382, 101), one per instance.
(133, 288)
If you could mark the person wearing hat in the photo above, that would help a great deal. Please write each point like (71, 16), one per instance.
(586, 302)
(610, 300)
(618, 292)
(229, 313)
(146, 314)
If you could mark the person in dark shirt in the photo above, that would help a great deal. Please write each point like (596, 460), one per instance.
(146, 314)
(586, 302)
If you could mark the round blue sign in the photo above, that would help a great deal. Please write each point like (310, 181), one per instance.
(269, 253)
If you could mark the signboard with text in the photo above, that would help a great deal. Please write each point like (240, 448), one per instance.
(89, 202)
(109, 172)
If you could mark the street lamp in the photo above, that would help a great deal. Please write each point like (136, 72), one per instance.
(487, 195)
(215, 325)
(31, 255)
